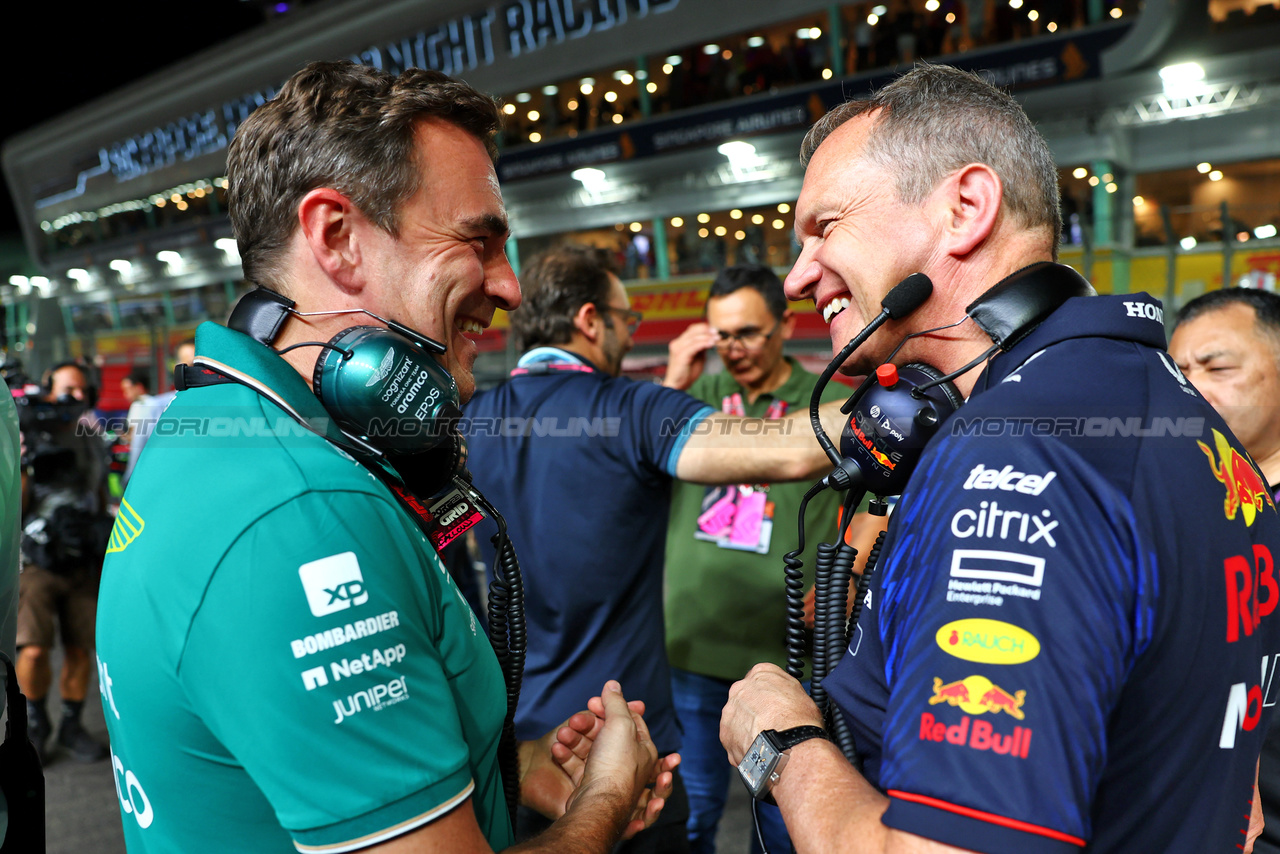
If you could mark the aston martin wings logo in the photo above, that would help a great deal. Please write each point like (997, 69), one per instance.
(384, 370)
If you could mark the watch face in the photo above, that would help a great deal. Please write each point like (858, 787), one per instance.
(758, 764)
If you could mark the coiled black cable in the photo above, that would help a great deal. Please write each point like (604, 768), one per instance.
(509, 637)
(794, 573)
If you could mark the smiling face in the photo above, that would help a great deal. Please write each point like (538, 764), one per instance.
(447, 271)
(1235, 364)
(858, 241)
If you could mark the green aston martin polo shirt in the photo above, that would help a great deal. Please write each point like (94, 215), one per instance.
(284, 661)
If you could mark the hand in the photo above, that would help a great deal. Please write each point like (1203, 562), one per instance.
(1255, 814)
(620, 758)
(767, 698)
(687, 355)
(548, 777)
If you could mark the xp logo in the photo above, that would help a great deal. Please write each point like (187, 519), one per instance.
(333, 583)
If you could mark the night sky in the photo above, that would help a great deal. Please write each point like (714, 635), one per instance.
(67, 54)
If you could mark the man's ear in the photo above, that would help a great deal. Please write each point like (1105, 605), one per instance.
(330, 226)
(972, 197)
(788, 324)
(588, 322)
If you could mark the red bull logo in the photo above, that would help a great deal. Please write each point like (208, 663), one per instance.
(977, 735)
(880, 457)
(1247, 493)
(978, 695)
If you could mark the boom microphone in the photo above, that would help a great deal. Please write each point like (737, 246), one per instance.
(906, 297)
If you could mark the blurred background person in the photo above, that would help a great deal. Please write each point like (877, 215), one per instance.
(725, 602)
(65, 531)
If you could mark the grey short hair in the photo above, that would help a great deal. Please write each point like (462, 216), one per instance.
(936, 119)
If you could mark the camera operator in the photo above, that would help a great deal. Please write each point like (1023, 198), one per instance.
(65, 532)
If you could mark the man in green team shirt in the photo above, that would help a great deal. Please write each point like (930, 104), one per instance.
(284, 661)
(725, 605)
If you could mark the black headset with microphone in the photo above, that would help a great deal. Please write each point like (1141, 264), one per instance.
(397, 407)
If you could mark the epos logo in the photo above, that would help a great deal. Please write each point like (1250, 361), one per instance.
(333, 583)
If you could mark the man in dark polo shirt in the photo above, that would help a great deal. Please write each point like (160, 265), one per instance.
(1227, 342)
(585, 460)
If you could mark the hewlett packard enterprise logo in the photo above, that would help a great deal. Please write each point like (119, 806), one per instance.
(333, 583)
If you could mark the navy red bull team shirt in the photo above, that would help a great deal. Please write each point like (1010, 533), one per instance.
(1071, 642)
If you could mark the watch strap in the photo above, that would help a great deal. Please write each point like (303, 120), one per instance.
(789, 738)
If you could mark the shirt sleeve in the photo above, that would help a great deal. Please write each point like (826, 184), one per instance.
(659, 422)
(1010, 612)
(317, 658)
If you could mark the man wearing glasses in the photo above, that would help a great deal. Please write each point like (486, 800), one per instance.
(725, 606)
(585, 460)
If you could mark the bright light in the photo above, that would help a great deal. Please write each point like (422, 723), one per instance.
(168, 256)
(1015, 4)
(674, 59)
(739, 235)
(40, 282)
(951, 17)
(636, 227)
(932, 5)
(19, 281)
(721, 231)
(783, 207)
(535, 137)
(1093, 181)
(758, 219)
(524, 97)
(711, 49)
(1138, 201)
(121, 266)
(1033, 15)
(826, 74)
(879, 11)
(873, 19)
(1182, 74)
(735, 214)
(611, 96)
(1112, 187)
(617, 119)
(651, 86)
(1116, 13)
(550, 89)
(1263, 232)
(726, 54)
(1107, 176)
(592, 179)
(1242, 236)
(1079, 172)
(1215, 175)
(704, 218)
(228, 245)
(676, 222)
(586, 88)
(1187, 243)
(815, 32)
(1052, 27)
(79, 274)
(627, 79)
(534, 115)
(779, 224)
(755, 41)
(803, 33)
(620, 73)
(702, 232)
(737, 150)
(1203, 168)
(573, 104)
(667, 68)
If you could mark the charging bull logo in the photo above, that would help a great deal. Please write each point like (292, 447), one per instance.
(978, 695)
(868, 443)
(1246, 491)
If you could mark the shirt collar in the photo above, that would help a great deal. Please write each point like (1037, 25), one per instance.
(540, 355)
(1125, 317)
(258, 361)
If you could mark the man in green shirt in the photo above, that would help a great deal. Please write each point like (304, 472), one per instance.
(285, 664)
(725, 597)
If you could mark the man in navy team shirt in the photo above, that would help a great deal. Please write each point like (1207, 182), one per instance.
(1070, 641)
(583, 459)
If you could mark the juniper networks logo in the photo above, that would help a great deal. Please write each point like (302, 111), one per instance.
(376, 698)
(384, 370)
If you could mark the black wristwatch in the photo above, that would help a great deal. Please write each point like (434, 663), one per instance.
(763, 764)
